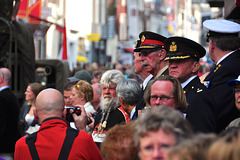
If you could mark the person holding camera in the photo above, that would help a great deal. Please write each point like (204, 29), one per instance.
(82, 94)
(55, 139)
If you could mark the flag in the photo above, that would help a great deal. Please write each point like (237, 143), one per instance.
(35, 11)
(63, 51)
(23, 8)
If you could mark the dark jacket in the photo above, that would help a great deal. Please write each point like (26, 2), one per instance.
(9, 112)
(201, 112)
(23, 125)
(223, 94)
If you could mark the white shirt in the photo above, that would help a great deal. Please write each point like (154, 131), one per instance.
(4, 87)
(29, 118)
(188, 81)
(145, 82)
(225, 56)
(132, 112)
(89, 108)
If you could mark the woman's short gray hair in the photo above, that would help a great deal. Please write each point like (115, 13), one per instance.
(129, 90)
(164, 117)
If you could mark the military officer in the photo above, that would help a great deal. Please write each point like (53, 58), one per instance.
(224, 44)
(146, 76)
(183, 55)
(152, 53)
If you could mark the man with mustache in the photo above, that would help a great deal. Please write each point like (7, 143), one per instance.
(152, 53)
(146, 77)
(183, 55)
(112, 113)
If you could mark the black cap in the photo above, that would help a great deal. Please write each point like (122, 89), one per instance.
(150, 40)
(179, 48)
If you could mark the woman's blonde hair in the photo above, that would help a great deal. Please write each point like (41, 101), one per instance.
(84, 88)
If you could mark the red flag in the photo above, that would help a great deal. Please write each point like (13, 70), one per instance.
(35, 11)
(22, 11)
(64, 45)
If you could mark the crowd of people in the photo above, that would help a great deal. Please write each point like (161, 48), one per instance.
(160, 110)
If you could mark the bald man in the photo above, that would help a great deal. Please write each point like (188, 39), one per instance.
(9, 113)
(55, 131)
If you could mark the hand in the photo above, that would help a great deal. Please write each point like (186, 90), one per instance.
(91, 125)
(81, 120)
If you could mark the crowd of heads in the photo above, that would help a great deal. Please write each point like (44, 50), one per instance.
(161, 131)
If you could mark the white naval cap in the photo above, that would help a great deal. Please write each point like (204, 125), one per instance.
(222, 26)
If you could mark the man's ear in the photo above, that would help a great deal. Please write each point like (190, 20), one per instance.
(35, 114)
(122, 102)
(211, 46)
(196, 66)
(162, 54)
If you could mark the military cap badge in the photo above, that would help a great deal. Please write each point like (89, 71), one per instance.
(136, 44)
(173, 47)
(143, 38)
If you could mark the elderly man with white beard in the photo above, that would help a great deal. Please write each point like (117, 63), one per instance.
(112, 113)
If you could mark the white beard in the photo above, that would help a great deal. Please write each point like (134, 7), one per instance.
(106, 103)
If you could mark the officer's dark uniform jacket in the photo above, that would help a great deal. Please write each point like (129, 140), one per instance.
(223, 94)
(201, 107)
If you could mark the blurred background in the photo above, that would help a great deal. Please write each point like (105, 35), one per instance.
(68, 35)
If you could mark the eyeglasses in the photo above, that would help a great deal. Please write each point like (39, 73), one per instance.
(162, 98)
(146, 53)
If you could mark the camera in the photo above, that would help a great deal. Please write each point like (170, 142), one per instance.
(77, 110)
(69, 116)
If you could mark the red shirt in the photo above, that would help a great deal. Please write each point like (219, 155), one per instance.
(50, 138)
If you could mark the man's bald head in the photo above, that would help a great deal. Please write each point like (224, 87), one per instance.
(49, 103)
(5, 74)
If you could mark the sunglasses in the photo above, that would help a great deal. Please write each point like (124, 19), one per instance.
(146, 53)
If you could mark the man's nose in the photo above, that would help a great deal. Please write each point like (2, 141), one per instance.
(172, 64)
(107, 90)
(158, 101)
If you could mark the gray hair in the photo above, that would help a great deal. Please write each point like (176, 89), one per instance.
(165, 118)
(129, 90)
(111, 76)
